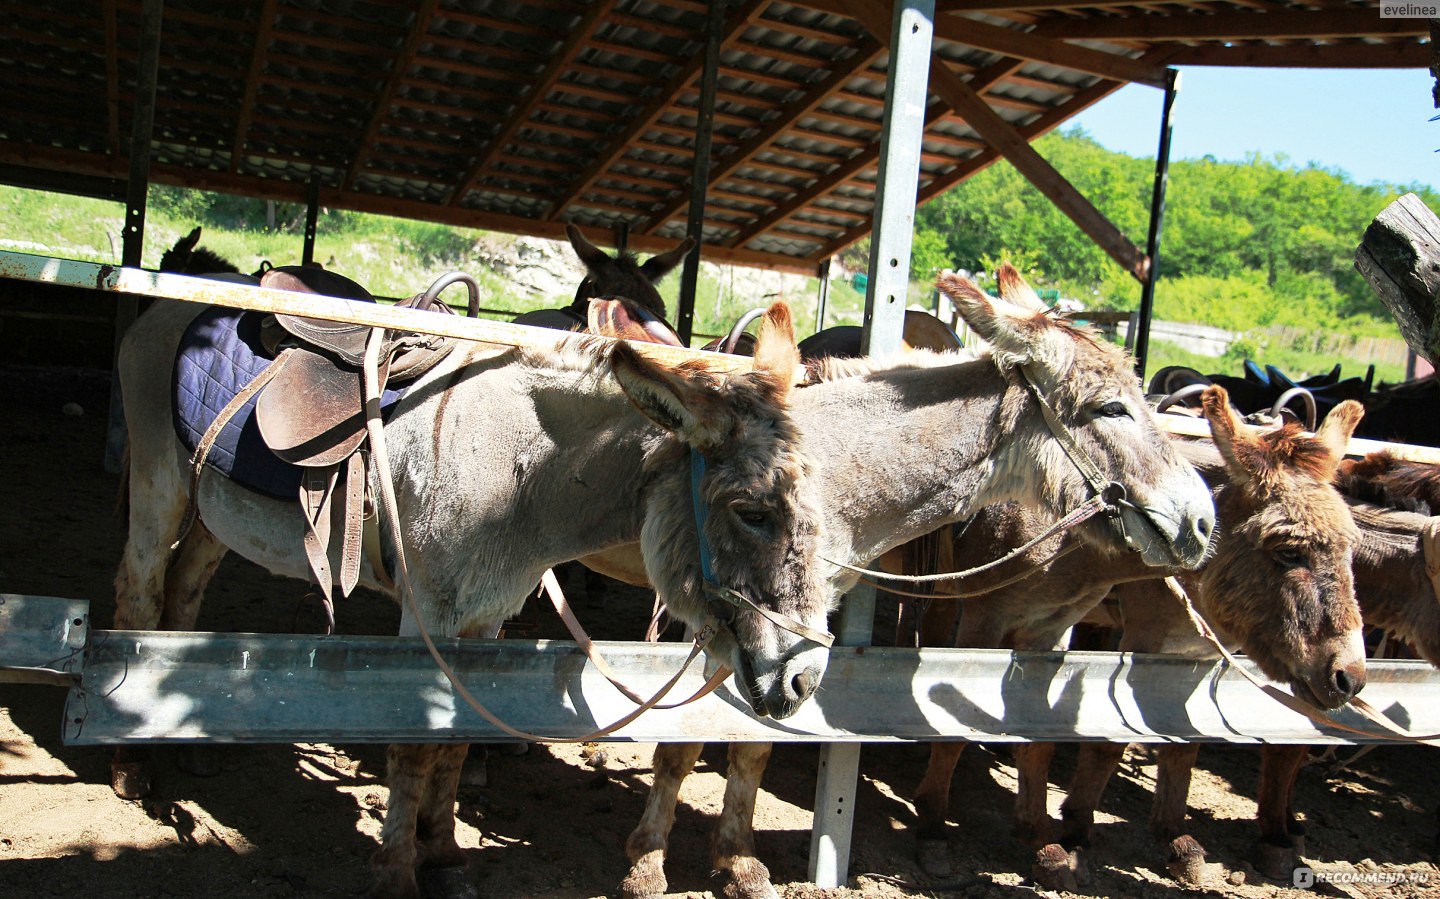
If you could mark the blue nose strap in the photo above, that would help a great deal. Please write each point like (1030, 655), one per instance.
(702, 511)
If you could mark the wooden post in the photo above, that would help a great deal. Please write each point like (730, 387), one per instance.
(1400, 257)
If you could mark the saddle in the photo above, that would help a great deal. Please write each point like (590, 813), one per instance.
(311, 412)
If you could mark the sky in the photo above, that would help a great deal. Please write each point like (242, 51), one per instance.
(1373, 124)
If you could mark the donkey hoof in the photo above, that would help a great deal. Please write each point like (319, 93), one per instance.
(1186, 862)
(1276, 862)
(1056, 869)
(646, 879)
(447, 883)
(934, 856)
(749, 879)
(130, 780)
(197, 760)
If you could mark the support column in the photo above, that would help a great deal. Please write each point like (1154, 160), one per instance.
(1157, 221)
(312, 219)
(912, 28)
(137, 189)
(700, 173)
(822, 271)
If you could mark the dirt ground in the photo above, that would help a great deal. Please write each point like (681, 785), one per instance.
(302, 820)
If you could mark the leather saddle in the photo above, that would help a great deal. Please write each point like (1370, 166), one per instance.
(312, 412)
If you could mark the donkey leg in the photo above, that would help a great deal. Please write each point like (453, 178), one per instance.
(1093, 769)
(932, 808)
(647, 843)
(140, 596)
(1175, 764)
(442, 863)
(1282, 838)
(407, 771)
(733, 844)
(1032, 821)
(191, 569)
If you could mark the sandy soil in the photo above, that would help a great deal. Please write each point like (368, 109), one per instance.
(302, 820)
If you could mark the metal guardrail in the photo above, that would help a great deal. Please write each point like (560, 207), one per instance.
(157, 687)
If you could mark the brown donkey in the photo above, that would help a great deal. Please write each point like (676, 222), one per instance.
(1280, 588)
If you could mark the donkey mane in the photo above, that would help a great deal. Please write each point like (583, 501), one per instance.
(840, 368)
(1384, 480)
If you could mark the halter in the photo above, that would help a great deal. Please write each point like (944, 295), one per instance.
(721, 601)
(1107, 497)
(1111, 493)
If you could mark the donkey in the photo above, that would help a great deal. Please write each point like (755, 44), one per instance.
(506, 462)
(982, 439)
(1391, 501)
(621, 275)
(1280, 587)
(187, 257)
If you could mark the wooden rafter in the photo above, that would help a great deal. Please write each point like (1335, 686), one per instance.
(112, 80)
(399, 67)
(1317, 24)
(1318, 56)
(258, 50)
(977, 163)
(739, 21)
(1012, 42)
(866, 54)
(1015, 146)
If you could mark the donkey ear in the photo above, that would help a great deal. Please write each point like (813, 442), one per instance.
(1015, 291)
(692, 412)
(591, 255)
(657, 267)
(775, 350)
(1224, 427)
(189, 241)
(1335, 431)
(1009, 330)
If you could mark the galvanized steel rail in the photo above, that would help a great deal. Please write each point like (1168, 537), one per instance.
(166, 687)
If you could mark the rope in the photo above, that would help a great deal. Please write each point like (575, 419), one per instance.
(1295, 703)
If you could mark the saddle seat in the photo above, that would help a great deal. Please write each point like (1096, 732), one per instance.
(311, 412)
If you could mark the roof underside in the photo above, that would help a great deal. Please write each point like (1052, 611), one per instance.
(523, 115)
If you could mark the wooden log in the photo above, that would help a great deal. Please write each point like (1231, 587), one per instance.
(1400, 258)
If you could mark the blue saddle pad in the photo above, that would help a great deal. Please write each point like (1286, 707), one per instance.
(219, 354)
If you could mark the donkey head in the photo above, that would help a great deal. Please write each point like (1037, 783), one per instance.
(734, 479)
(623, 275)
(1090, 386)
(1280, 584)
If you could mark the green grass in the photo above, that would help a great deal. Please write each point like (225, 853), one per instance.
(1297, 365)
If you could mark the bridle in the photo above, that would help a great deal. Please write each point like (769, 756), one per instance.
(1107, 497)
(721, 602)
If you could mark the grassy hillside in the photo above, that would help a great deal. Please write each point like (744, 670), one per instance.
(398, 257)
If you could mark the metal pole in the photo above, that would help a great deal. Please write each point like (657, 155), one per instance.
(141, 127)
(1157, 220)
(312, 218)
(823, 273)
(912, 27)
(700, 172)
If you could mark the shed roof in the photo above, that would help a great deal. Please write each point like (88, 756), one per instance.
(523, 115)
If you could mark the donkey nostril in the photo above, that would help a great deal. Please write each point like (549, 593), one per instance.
(1204, 526)
(804, 683)
(1346, 685)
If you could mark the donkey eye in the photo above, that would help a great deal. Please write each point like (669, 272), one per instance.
(755, 518)
(1290, 555)
(1113, 409)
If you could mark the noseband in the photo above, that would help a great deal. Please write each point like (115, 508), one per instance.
(720, 600)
